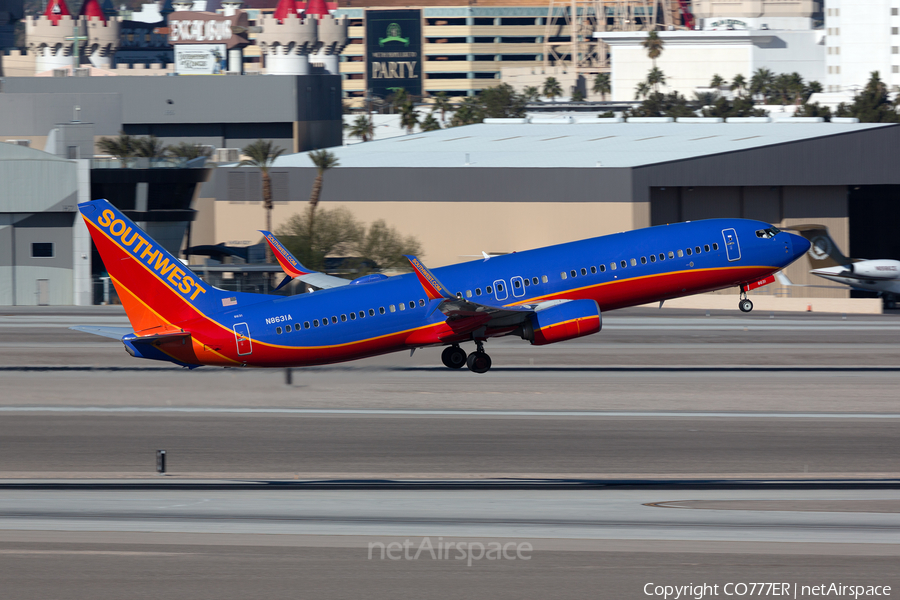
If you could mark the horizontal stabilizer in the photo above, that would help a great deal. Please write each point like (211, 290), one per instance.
(115, 333)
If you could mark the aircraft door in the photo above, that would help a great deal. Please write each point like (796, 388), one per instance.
(518, 286)
(732, 247)
(242, 336)
(500, 290)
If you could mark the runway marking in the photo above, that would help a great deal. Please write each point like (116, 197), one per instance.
(438, 413)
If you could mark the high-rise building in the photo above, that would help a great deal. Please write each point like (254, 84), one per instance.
(862, 36)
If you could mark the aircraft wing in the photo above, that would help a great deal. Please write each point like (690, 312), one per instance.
(294, 270)
(116, 333)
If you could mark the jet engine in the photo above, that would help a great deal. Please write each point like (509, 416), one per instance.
(562, 322)
(875, 269)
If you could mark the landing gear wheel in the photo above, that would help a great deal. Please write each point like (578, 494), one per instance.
(745, 305)
(453, 357)
(479, 362)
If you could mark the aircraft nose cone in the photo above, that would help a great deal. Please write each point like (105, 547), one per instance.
(799, 245)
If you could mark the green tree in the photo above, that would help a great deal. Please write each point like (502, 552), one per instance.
(189, 151)
(717, 82)
(323, 160)
(398, 99)
(642, 90)
(442, 103)
(362, 128)
(121, 147)
(577, 96)
(761, 83)
(741, 106)
(149, 147)
(467, 113)
(813, 87)
(337, 232)
(813, 110)
(656, 78)
(531, 93)
(654, 46)
(501, 102)
(429, 123)
(872, 104)
(738, 84)
(552, 88)
(262, 154)
(658, 104)
(602, 85)
(408, 116)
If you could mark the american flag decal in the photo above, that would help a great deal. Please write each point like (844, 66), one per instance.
(229, 301)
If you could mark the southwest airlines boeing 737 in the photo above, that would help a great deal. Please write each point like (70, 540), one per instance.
(544, 296)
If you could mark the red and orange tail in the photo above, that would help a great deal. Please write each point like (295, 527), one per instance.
(156, 289)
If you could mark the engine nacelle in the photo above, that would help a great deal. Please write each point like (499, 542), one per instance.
(563, 322)
(875, 269)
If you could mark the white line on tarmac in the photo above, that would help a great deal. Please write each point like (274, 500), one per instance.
(430, 413)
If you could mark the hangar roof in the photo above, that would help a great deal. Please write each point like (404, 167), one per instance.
(573, 145)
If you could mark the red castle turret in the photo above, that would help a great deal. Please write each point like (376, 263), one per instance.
(91, 8)
(285, 8)
(56, 10)
(317, 8)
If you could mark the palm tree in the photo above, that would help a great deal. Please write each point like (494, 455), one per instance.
(656, 78)
(813, 87)
(552, 88)
(262, 154)
(189, 151)
(429, 123)
(443, 104)
(654, 46)
(738, 84)
(362, 128)
(408, 117)
(149, 147)
(121, 147)
(717, 81)
(761, 82)
(796, 85)
(324, 160)
(602, 85)
(577, 96)
(531, 93)
(398, 98)
(642, 90)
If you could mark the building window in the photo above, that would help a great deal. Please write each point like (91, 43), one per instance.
(837, 70)
(894, 12)
(42, 250)
(895, 30)
(895, 49)
(895, 69)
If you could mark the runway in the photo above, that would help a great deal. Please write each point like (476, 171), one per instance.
(711, 409)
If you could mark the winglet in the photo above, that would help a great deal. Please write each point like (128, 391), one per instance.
(289, 264)
(434, 289)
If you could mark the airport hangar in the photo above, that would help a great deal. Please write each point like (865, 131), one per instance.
(511, 185)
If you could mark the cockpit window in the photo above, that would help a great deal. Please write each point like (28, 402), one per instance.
(768, 233)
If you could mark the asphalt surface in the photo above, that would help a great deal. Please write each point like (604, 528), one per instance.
(657, 395)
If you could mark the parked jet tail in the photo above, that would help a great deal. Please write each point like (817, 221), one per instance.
(823, 251)
(156, 289)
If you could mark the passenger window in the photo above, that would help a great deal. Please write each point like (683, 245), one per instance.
(324, 321)
(353, 316)
(516, 284)
(612, 266)
(334, 319)
(633, 262)
(297, 326)
(381, 309)
(278, 330)
(623, 263)
(573, 273)
(534, 280)
(459, 295)
(315, 322)
(680, 254)
(413, 304)
(392, 308)
(697, 250)
(499, 287)
(477, 291)
(583, 271)
(372, 312)
(489, 290)
(593, 270)
(643, 260)
(652, 258)
(715, 246)
(468, 293)
(688, 251)
(344, 318)
(706, 247)
(563, 275)
(401, 306)
(544, 278)
(287, 328)
(306, 324)
(602, 268)
(662, 256)
(527, 282)
(671, 254)
(421, 302)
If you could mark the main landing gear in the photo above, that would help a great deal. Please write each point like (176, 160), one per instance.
(744, 304)
(454, 357)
